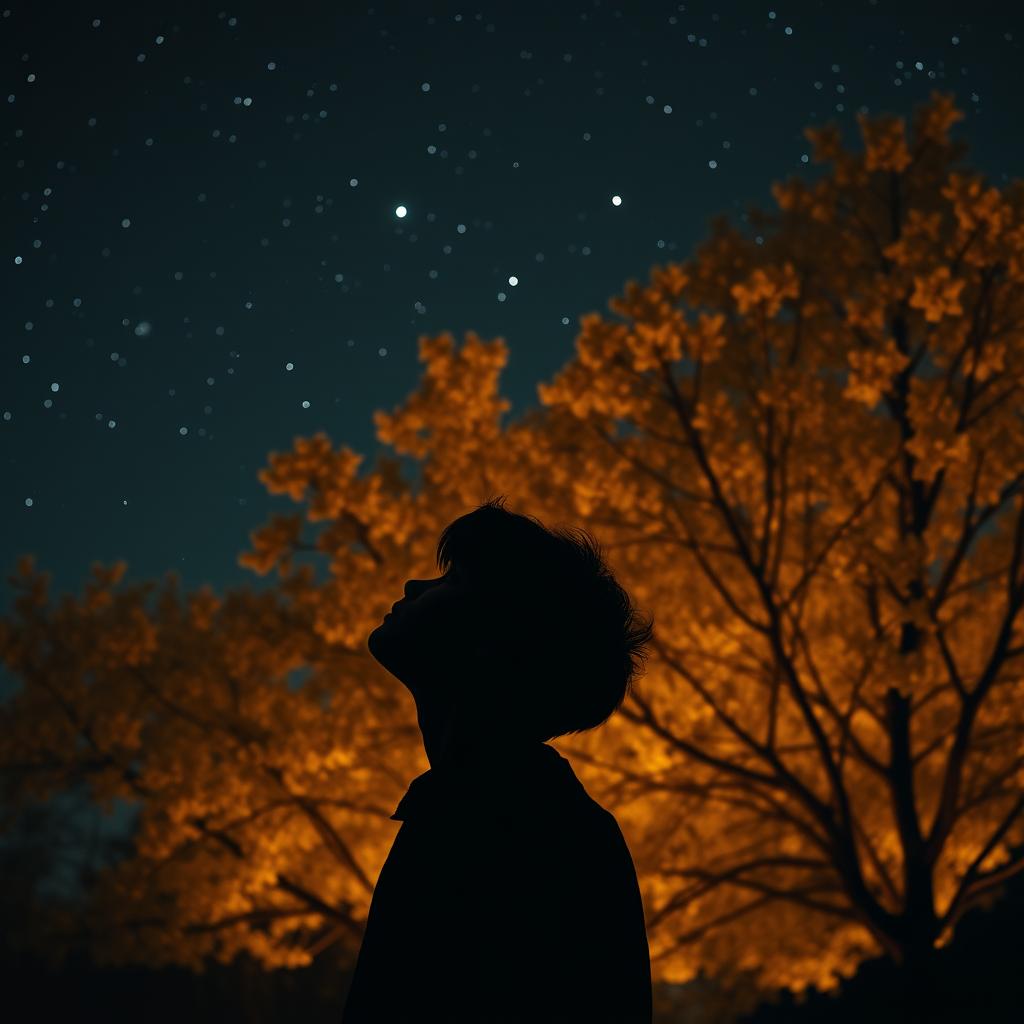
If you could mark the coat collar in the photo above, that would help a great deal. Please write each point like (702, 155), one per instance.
(528, 775)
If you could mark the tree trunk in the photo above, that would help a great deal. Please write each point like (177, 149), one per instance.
(920, 985)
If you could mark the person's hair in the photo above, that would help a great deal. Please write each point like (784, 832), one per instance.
(567, 640)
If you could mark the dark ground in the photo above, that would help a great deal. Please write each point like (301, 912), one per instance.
(979, 978)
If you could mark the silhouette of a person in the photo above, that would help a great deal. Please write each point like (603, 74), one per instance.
(509, 894)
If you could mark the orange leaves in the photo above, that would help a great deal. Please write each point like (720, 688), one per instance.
(600, 382)
(273, 542)
(585, 492)
(827, 144)
(460, 388)
(989, 226)
(975, 205)
(707, 339)
(886, 148)
(827, 141)
(103, 577)
(986, 360)
(936, 441)
(605, 378)
(885, 143)
(766, 288)
(866, 313)
(918, 245)
(131, 641)
(652, 345)
(791, 195)
(186, 709)
(108, 575)
(598, 343)
(938, 294)
(437, 353)
(871, 370)
(924, 226)
(671, 279)
(312, 464)
(933, 120)
(202, 607)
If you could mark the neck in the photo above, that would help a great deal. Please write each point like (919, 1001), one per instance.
(451, 744)
(437, 726)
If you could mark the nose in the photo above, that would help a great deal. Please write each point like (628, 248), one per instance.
(413, 588)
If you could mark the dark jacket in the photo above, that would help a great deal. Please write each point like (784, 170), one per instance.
(508, 895)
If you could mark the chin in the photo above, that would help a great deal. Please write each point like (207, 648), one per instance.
(371, 639)
(378, 637)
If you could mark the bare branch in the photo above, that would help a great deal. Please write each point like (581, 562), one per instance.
(970, 530)
(259, 915)
(917, 875)
(332, 839)
(646, 717)
(944, 813)
(972, 884)
(314, 901)
(693, 935)
(854, 514)
(877, 863)
(716, 581)
(723, 716)
(847, 735)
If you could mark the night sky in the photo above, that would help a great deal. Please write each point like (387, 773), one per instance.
(204, 248)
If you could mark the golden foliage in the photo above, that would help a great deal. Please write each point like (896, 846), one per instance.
(817, 495)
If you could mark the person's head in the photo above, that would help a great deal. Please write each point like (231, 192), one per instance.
(527, 631)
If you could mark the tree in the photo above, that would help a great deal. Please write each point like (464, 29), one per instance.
(833, 453)
(800, 451)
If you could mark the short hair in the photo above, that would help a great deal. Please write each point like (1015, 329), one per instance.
(570, 640)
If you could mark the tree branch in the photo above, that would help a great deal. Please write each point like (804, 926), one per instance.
(332, 839)
(972, 884)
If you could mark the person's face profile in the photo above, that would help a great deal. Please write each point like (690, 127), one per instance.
(422, 639)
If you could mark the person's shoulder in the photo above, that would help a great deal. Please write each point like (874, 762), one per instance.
(605, 827)
(583, 815)
(580, 799)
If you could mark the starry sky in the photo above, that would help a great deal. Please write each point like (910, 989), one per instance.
(225, 228)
